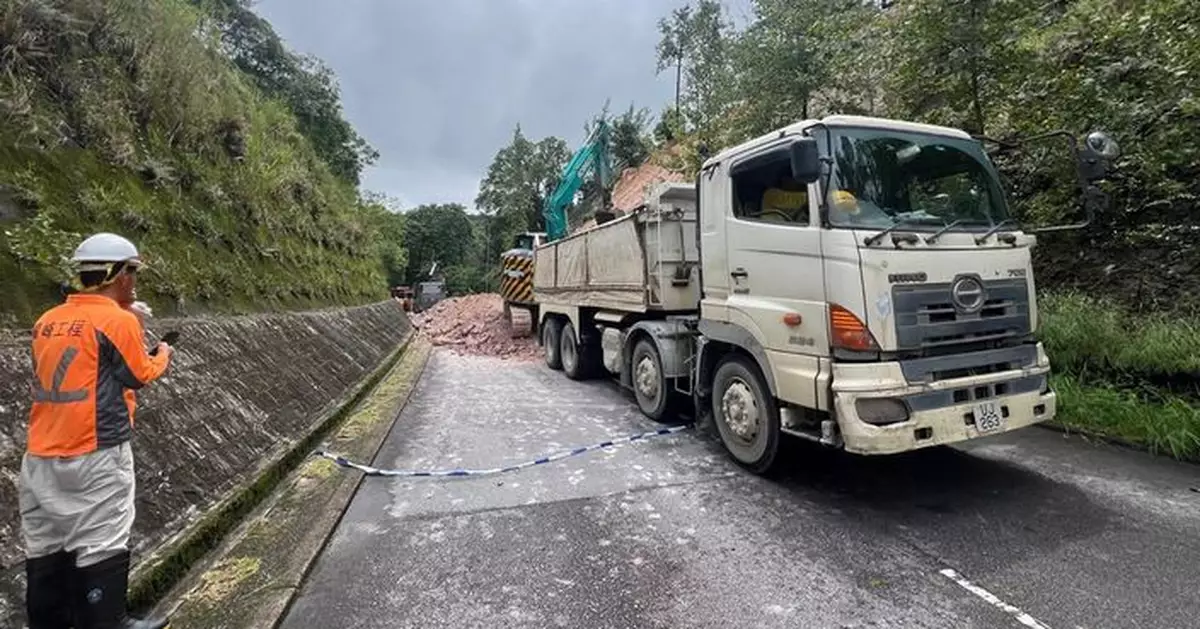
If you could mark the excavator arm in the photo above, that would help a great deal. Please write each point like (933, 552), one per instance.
(591, 160)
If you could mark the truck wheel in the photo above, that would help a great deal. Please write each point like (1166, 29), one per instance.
(649, 386)
(551, 331)
(746, 415)
(577, 359)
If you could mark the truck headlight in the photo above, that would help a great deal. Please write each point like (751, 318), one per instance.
(881, 411)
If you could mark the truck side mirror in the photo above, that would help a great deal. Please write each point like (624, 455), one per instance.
(1099, 151)
(1093, 159)
(806, 162)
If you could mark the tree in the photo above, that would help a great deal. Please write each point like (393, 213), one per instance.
(956, 59)
(440, 233)
(515, 188)
(697, 42)
(1004, 68)
(674, 45)
(304, 83)
(387, 226)
(780, 65)
(857, 45)
(670, 126)
(629, 136)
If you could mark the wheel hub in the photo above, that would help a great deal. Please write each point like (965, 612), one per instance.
(741, 410)
(646, 377)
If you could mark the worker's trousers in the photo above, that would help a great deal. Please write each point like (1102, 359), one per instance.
(82, 504)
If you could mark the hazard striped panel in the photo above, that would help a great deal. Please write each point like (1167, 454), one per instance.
(516, 276)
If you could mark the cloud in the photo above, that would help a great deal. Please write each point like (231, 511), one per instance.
(437, 86)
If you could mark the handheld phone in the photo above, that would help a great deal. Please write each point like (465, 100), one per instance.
(169, 338)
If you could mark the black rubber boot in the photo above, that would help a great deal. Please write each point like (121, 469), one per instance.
(48, 591)
(102, 588)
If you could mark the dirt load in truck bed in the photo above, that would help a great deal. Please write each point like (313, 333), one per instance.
(474, 324)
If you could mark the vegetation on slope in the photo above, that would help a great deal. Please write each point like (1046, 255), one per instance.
(127, 115)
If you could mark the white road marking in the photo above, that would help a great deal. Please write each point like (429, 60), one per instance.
(1022, 617)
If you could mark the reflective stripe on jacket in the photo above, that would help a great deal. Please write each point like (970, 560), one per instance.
(88, 357)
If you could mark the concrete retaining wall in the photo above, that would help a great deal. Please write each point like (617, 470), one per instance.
(240, 391)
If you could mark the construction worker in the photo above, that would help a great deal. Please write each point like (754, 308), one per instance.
(77, 476)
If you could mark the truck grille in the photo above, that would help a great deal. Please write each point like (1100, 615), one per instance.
(926, 316)
(968, 364)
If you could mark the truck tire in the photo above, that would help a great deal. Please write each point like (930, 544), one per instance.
(746, 415)
(551, 331)
(649, 386)
(578, 359)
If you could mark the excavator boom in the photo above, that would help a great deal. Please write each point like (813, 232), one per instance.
(591, 160)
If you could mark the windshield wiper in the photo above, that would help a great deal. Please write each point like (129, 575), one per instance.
(938, 234)
(870, 240)
(995, 228)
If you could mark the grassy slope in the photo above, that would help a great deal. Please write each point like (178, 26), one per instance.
(1132, 377)
(120, 115)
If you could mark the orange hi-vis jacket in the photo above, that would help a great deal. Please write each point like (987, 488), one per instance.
(88, 356)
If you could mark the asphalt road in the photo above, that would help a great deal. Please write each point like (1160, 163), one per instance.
(1033, 529)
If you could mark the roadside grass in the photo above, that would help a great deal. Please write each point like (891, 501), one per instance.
(1160, 422)
(1085, 334)
(1132, 377)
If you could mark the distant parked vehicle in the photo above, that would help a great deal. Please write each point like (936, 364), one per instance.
(428, 294)
(405, 295)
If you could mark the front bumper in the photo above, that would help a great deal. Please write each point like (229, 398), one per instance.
(940, 412)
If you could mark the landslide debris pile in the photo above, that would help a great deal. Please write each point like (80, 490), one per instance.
(475, 324)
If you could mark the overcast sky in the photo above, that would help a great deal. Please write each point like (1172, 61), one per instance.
(437, 86)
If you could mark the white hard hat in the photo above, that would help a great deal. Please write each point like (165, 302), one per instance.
(98, 251)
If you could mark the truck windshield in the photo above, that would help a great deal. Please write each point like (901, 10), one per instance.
(927, 182)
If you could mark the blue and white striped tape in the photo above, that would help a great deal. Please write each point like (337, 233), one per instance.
(375, 471)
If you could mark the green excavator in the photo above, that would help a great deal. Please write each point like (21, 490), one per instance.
(592, 162)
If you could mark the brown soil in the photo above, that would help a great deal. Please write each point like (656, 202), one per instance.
(475, 324)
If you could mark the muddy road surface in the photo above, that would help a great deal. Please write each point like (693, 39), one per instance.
(1032, 529)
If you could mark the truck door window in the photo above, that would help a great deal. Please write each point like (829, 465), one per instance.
(769, 193)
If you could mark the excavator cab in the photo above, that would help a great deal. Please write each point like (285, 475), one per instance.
(529, 240)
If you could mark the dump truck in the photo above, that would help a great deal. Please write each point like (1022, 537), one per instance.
(858, 282)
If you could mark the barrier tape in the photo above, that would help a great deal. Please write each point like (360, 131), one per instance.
(375, 471)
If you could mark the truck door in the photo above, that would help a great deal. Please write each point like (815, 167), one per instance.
(777, 288)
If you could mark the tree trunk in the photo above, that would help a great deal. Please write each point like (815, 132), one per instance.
(976, 52)
(678, 79)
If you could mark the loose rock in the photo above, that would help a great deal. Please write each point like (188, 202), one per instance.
(475, 324)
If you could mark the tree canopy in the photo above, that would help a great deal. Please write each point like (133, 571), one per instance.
(513, 191)
(1003, 68)
(304, 83)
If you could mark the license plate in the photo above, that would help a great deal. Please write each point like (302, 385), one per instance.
(987, 417)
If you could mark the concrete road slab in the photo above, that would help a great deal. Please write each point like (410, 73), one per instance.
(1031, 529)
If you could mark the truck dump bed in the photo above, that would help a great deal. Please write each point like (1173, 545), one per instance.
(643, 261)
